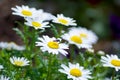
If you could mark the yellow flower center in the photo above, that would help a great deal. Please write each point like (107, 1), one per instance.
(53, 44)
(18, 63)
(75, 72)
(63, 21)
(76, 39)
(26, 12)
(115, 62)
(83, 35)
(36, 24)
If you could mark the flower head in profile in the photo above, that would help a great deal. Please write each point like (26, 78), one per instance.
(24, 11)
(11, 46)
(2, 77)
(74, 38)
(61, 19)
(52, 45)
(75, 72)
(86, 35)
(19, 61)
(111, 61)
(44, 16)
(47, 16)
(36, 22)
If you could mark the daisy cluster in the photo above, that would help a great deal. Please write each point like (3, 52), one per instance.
(39, 19)
(76, 35)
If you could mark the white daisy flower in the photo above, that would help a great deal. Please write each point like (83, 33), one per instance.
(108, 78)
(85, 34)
(37, 23)
(24, 11)
(111, 61)
(52, 45)
(61, 19)
(2, 77)
(19, 61)
(75, 39)
(75, 72)
(1, 67)
(11, 45)
(47, 16)
(3, 45)
(44, 16)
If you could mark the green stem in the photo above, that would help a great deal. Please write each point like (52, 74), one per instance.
(54, 30)
(113, 75)
(72, 53)
(33, 39)
(49, 67)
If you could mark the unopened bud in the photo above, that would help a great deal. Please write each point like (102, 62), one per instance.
(90, 51)
(101, 53)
